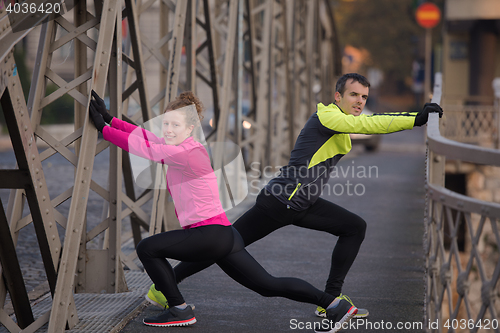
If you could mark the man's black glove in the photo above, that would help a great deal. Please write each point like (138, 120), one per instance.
(96, 118)
(423, 116)
(99, 105)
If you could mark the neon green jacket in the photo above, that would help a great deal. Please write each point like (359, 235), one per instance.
(321, 144)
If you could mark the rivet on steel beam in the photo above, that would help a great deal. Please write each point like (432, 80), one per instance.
(50, 224)
(37, 171)
(25, 128)
(112, 270)
(112, 283)
(43, 198)
(62, 303)
(80, 270)
(75, 230)
(114, 218)
(102, 65)
(85, 168)
(84, 181)
(113, 202)
(80, 257)
(79, 284)
(40, 185)
(113, 257)
(56, 249)
(33, 157)
(46, 211)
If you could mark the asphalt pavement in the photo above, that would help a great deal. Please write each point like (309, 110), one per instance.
(386, 188)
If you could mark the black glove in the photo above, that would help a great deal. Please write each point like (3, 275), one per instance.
(96, 118)
(100, 107)
(423, 116)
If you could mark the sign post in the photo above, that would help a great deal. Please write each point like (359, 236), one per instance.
(428, 16)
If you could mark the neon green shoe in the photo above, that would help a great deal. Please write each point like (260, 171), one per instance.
(156, 298)
(362, 313)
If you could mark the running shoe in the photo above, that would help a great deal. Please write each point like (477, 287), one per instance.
(172, 317)
(155, 297)
(338, 315)
(362, 313)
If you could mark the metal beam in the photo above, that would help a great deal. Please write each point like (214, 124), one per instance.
(66, 277)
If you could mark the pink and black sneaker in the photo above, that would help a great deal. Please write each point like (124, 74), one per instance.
(172, 317)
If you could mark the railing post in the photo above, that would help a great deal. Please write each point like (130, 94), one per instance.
(435, 173)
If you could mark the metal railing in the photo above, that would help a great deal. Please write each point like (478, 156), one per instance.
(475, 124)
(461, 287)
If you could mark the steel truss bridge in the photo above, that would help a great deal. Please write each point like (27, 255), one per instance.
(279, 56)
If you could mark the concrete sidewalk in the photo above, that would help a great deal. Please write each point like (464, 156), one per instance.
(386, 278)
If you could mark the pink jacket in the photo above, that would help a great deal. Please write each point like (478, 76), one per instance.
(190, 178)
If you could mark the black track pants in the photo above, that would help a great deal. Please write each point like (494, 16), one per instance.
(269, 214)
(224, 246)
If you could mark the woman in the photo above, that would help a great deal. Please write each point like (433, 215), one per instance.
(207, 235)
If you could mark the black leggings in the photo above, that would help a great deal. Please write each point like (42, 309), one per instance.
(224, 246)
(269, 214)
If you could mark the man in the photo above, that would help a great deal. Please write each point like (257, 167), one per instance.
(293, 197)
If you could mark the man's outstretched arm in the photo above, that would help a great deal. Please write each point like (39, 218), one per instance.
(379, 123)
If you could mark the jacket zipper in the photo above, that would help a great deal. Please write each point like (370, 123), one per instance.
(293, 193)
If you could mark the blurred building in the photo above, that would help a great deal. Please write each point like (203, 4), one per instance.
(471, 62)
(471, 57)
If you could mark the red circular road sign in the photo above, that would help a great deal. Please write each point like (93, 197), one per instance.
(428, 15)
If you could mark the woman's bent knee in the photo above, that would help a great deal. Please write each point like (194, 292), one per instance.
(143, 249)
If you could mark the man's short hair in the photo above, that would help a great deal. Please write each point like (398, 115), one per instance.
(340, 86)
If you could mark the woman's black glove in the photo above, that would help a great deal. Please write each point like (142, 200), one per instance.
(99, 105)
(423, 116)
(96, 118)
